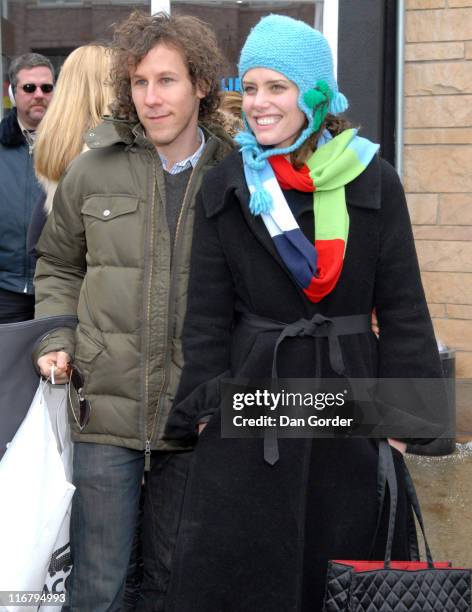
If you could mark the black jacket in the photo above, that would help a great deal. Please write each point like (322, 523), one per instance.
(235, 258)
(19, 192)
(256, 537)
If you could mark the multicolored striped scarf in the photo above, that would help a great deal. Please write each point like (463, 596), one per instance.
(316, 268)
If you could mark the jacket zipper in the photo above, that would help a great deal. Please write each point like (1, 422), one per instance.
(147, 456)
(175, 252)
(170, 310)
(27, 196)
(148, 437)
(155, 420)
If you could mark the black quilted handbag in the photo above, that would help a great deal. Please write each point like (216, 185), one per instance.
(397, 586)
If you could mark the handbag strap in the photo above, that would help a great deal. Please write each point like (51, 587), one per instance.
(387, 471)
(381, 490)
(415, 504)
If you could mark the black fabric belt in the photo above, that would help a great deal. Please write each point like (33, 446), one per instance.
(316, 327)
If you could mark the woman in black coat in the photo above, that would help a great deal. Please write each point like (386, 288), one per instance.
(263, 517)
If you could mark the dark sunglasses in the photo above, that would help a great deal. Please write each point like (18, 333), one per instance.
(79, 405)
(30, 88)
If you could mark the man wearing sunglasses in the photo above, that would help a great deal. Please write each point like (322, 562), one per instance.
(31, 88)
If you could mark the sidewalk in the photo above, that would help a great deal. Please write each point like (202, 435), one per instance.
(444, 486)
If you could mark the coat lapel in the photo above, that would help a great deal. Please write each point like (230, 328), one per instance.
(224, 187)
(256, 225)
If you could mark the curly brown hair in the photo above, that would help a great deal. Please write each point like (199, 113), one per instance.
(140, 32)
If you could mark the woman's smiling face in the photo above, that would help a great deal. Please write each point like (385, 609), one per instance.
(270, 103)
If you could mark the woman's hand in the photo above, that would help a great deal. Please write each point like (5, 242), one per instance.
(375, 324)
(201, 427)
(400, 446)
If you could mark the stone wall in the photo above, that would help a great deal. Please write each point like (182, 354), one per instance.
(438, 162)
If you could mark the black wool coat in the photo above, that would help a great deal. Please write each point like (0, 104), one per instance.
(256, 537)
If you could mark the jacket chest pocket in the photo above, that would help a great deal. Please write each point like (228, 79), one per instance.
(113, 228)
(109, 207)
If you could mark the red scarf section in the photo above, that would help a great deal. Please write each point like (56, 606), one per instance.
(290, 178)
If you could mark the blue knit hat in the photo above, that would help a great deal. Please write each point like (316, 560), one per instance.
(303, 55)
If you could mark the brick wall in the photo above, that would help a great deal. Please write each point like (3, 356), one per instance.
(438, 162)
(50, 28)
(39, 27)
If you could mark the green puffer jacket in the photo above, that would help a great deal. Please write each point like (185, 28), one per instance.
(105, 256)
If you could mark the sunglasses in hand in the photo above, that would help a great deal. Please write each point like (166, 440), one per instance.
(79, 405)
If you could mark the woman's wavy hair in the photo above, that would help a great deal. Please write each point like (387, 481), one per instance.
(81, 97)
(135, 37)
(335, 126)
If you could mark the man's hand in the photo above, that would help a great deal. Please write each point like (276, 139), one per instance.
(60, 360)
(201, 427)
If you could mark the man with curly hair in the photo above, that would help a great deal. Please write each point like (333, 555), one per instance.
(115, 253)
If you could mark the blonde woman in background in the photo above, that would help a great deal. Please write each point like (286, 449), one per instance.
(80, 100)
(230, 112)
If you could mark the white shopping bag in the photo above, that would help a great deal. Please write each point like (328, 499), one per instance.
(35, 481)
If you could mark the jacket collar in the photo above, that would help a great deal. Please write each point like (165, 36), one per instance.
(115, 131)
(10, 131)
(110, 132)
